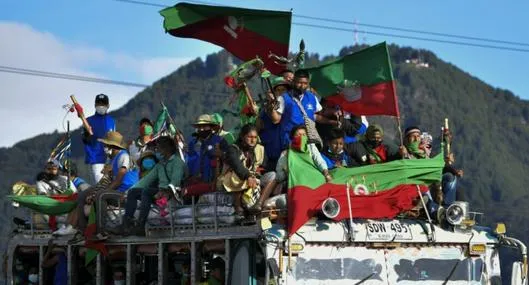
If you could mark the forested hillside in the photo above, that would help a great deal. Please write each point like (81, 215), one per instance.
(490, 128)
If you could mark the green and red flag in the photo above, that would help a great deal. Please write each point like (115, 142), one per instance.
(361, 83)
(246, 33)
(94, 246)
(377, 191)
(53, 205)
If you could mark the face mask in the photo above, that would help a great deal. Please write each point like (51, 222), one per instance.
(101, 110)
(374, 144)
(119, 282)
(33, 278)
(148, 163)
(204, 134)
(146, 130)
(108, 151)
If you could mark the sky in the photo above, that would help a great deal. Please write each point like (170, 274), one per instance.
(123, 41)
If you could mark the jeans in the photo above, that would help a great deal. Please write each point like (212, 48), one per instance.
(449, 186)
(146, 198)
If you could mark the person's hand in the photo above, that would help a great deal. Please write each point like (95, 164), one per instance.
(328, 178)
(459, 173)
(403, 151)
(252, 182)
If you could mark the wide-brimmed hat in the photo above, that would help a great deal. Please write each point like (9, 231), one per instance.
(205, 119)
(114, 139)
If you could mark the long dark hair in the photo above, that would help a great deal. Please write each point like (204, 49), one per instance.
(246, 129)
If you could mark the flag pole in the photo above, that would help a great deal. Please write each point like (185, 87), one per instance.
(399, 128)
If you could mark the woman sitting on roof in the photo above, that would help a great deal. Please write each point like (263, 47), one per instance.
(242, 166)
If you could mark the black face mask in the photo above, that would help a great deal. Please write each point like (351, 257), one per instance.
(204, 134)
(373, 144)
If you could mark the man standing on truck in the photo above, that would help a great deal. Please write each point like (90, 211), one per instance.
(101, 123)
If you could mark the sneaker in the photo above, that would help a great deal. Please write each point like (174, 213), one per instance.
(78, 237)
(65, 231)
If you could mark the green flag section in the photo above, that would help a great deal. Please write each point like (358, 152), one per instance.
(246, 33)
(46, 204)
(164, 123)
(366, 80)
(94, 246)
(376, 191)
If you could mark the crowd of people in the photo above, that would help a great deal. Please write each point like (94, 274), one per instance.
(155, 168)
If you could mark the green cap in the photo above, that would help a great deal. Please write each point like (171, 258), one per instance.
(217, 118)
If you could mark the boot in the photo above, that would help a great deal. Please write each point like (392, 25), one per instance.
(139, 229)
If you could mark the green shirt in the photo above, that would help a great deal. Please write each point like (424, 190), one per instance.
(164, 173)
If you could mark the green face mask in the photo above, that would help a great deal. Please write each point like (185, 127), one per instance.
(147, 130)
(413, 148)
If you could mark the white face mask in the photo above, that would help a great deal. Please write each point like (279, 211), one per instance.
(108, 151)
(33, 278)
(119, 282)
(101, 110)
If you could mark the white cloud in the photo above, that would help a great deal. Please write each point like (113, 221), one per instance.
(32, 105)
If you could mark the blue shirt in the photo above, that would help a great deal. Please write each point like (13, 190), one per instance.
(292, 115)
(343, 158)
(204, 161)
(61, 271)
(270, 137)
(130, 178)
(101, 125)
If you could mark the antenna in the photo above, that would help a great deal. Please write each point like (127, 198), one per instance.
(355, 32)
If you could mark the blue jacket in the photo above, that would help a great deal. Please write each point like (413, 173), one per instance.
(292, 115)
(352, 139)
(343, 158)
(204, 161)
(130, 178)
(270, 137)
(101, 124)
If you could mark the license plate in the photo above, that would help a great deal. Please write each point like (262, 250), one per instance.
(388, 231)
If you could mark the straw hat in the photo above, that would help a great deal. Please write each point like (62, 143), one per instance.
(205, 119)
(114, 139)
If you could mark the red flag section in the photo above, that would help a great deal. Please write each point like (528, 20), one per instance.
(304, 203)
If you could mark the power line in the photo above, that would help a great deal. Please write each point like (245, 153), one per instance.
(411, 30)
(40, 73)
(411, 37)
(378, 27)
(9, 69)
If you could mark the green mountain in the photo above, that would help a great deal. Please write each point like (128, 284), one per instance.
(489, 125)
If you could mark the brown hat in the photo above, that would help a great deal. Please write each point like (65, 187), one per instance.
(114, 139)
(205, 119)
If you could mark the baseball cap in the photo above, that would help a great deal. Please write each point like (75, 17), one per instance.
(102, 99)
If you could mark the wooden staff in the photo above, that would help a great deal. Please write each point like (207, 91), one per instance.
(86, 125)
(251, 102)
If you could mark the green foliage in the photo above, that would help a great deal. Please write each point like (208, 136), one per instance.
(490, 128)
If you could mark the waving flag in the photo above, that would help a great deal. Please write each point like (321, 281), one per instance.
(377, 191)
(366, 81)
(246, 33)
(50, 205)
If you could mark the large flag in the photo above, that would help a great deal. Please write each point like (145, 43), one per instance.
(246, 33)
(50, 205)
(376, 191)
(94, 246)
(366, 78)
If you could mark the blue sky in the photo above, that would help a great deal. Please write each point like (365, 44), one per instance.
(123, 41)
